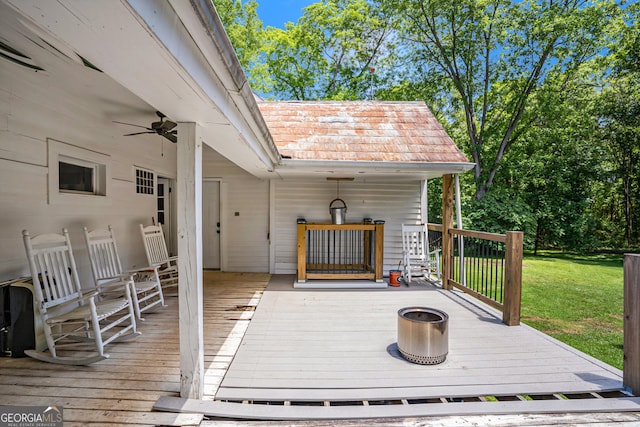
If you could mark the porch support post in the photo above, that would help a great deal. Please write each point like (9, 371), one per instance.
(631, 364)
(189, 183)
(447, 225)
(424, 202)
(513, 278)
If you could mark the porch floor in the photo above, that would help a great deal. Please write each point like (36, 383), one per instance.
(335, 348)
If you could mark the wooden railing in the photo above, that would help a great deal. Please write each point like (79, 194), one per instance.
(340, 251)
(487, 266)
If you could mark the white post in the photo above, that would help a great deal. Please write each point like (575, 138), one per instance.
(424, 202)
(463, 277)
(189, 210)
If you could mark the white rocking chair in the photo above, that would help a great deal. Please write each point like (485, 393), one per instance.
(71, 316)
(157, 255)
(107, 271)
(418, 260)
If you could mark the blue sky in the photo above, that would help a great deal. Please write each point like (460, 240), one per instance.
(275, 13)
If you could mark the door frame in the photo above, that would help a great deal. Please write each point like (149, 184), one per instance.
(170, 220)
(222, 197)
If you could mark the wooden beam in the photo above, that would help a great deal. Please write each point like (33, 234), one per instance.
(302, 252)
(189, 183)
(447, 225)
(631, 368)
(513, 278)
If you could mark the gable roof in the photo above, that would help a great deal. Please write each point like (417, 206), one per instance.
(371, 131)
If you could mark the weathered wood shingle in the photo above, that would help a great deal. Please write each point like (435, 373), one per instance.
(359, 130)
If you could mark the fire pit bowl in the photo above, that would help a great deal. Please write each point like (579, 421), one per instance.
(423, 335)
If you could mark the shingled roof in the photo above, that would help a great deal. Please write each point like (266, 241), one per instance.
(369, 131)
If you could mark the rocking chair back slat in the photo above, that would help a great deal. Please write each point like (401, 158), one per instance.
(107, 271)
(157, 254)
(103, 254)
(53, 269)
(157, 251)
(69, 317)
(417, 257)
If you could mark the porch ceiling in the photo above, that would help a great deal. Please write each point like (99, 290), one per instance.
(154, 55)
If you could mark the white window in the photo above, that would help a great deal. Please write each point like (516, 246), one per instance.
(81, 177)
(145, 181)
(77, 174)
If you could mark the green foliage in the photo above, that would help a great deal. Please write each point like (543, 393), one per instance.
(542, 96)
(495, 56)
(499, 212)
(332, 52)
(245, 30)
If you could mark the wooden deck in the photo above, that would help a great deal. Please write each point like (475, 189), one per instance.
(122, 389)
(327, 354)
(314, 354)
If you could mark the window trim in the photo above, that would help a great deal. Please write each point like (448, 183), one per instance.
(68, 153)
(138, 186)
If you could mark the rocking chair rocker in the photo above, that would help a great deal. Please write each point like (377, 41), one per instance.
(107, 271)
(71, 316)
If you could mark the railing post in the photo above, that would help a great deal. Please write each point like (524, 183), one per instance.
(379, 251)
(513, 278)
(447, 225)
(631, 368)
(302, 252)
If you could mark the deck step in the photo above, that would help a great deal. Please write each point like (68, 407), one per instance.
(249, 411)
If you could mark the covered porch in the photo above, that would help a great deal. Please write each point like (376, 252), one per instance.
(275, 352)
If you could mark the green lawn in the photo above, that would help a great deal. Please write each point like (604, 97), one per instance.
(577, 299)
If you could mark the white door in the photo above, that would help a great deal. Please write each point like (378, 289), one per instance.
(165, 210)
(211, 224)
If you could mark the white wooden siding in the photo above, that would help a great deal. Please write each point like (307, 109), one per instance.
(244, 238)
(395, 203)
(32, 111)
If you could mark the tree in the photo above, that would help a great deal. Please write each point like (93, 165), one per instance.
(330, 52)
(619, 130)
(495, 55)
(246, 33)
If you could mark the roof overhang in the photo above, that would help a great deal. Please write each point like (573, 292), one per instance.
(173, 55)
(368, 171)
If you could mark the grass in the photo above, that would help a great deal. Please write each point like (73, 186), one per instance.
(577, 299)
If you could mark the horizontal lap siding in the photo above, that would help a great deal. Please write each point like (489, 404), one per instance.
(394, 203)
(31, 114)
(245, 237)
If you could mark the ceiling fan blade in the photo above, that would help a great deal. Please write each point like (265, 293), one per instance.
(139, 133)
(131, 124)
(171, 137)
(168, 125)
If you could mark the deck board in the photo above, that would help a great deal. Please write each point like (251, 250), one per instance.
(300, 345)
(122, 390)
(341, 345)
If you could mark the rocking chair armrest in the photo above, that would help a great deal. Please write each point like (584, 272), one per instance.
(147, 269)
(170, 262)
(119, 277)
(109, 287)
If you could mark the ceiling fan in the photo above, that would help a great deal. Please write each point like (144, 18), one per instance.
(162, 128)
